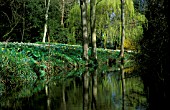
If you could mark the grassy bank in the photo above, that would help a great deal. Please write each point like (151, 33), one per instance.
(30, 60)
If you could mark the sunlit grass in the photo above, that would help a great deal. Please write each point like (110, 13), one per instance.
(19, 58)
(26, 62)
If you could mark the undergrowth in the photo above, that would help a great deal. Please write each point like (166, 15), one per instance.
(27, 67)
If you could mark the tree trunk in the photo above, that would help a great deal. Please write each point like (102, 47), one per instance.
(123, 29)
(62, 13)
(93, 27)
(46, 18)
(23, 23)
(83, 6)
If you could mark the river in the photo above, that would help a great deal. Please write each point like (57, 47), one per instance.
(112, 88)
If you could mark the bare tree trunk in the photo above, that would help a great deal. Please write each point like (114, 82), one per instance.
(23, 22)
(83, 6)
(62, 13)
(123, 29)
(46, 18)
(93, 28)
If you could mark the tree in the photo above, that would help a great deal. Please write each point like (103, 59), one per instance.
(83, 6)
(23, 23)
(154, 59)
(74, 21)
(123, 28)
(108, 22)
(93, 28)
(10, 17)
(46, 18)
(62, 13)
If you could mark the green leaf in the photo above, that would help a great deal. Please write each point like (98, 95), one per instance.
(42, 72)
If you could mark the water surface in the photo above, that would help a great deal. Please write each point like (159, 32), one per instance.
(114, 88)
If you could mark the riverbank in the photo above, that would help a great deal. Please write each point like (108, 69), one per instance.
(28, 67)
(41, 60)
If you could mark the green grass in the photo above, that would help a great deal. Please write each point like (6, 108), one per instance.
(30, 61)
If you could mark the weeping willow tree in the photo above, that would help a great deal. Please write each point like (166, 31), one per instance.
(74, 24)
(108, 23)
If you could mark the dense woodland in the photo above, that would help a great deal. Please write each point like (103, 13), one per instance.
(142, 23)
(24, 21)
(155, 54)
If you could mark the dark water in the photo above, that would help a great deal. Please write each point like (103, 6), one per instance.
(114, 88)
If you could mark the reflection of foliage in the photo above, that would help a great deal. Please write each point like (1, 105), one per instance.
(111, 88)
(69, 83)
(14, 95)
(134, 88)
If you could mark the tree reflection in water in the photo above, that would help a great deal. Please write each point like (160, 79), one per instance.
(95, 89)
(48, 97)
(86, 87)
(123, 86)
(86, 90)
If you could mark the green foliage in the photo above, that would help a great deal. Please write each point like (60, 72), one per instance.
(108, 22)
(39, 58)
(74, 23)
(15, 66)
(45, 58)
(154, 58)
(28, 17)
